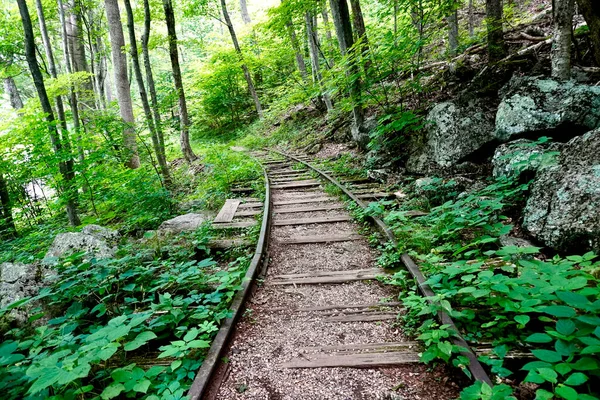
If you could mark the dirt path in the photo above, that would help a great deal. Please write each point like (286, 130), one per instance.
(290, 323)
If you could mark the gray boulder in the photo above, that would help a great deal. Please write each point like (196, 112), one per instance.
(521, 156)
(183, 223)
(94, 240)
(454, 132)
(562, 209)
(17, 281)
(535, 105)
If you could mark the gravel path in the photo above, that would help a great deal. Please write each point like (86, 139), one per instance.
(275, 329)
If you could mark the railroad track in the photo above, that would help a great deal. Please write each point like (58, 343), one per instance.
(316, 307)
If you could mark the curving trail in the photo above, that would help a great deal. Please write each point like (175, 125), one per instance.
(320, 326)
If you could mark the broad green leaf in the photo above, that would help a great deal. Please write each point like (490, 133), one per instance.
(566, 392)
(547, 355)
(49, 376)
(573, 299)
(559, 311)
(191, 335)
(140, 340)
(112, 391)
(522, 319)
(548, 374)
(576, 379)
(539, 338)
(199, 344)
(565, 327)
(142, 386)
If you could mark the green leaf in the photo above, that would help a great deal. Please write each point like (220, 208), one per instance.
(121, 375)
(576, 379)
(573, 299)
(539, 338)
(548, 374)
(142, 386)
(542, 394)
(191, 335)
(175, 364)
(547, 355)
(112, 391)
(565, 327)
(559, 311)
(585, 364)
(199, 344)
(566, 392)
(140, 340)
(522, 319)
(50, 375)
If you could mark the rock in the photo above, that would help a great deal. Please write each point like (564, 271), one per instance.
(562, 210)
(314, 148)
(533, 106)
(513, 159)
(454, 132)
(183, 223)
(17, 281)
(94, 240)
(379, 175)
(514, 241)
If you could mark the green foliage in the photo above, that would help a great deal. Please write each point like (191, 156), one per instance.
(105, 312)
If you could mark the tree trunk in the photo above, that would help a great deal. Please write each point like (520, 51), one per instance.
(244, 10)
(591, 12)
(495, 33)
(10, 87)
(117, 42)
(184, 137)
(561, 45)
(313, 46)
(453, 32)
(297, 51)
(358, 23)
(343, 29)
(7, 225)
(51, 64)
(471, 12)
(150, 79)
(80, 64)
(164, 169)
(70, 192)
(236, 45)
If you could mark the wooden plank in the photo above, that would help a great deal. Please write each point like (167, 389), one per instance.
(367, 317)
(303, 201)
(349, 276)
(319, 239)
(232, 225)
(248, 213)
(309, 209)
(316, 220)
(375, 195)
(299, 184)
(287, 172)
(415, 213)
(335, 307)
(227, 211)
(228, 243)
(250, 205)
(329, 273)
(383, 346)
(368, 360)
(241, 190)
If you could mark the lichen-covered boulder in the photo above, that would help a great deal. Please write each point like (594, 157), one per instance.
(183, 223)
(454, 132)
(17, 281)
(534, 106)
(521, 156)
(94, 240)
(562, 209)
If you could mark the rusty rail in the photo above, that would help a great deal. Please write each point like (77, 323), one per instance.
(475, 366)
(211, 362)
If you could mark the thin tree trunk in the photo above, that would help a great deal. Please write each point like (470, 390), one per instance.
(591, 12)
(297, 51)
(117, 42)
(358, 22)
(150, 79)
(561, 45)
(70, 192)
(343, 29)
(453, 32)
(10, 87)
(184, 137)
(244, 11)
(471, 12)
(236, 45)
(313, 44)
(8, 229)
(164, 169)
(495, 32)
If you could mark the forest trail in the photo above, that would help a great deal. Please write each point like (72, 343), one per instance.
(321, 326)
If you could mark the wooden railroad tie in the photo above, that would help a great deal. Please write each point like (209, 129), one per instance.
(326, 207)
(299, 184)
(320, 239)
(359, 360)
(303, 201)
(224, 244)
(327, 277)
(316, 220)
(233, 225)
(227, 211)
